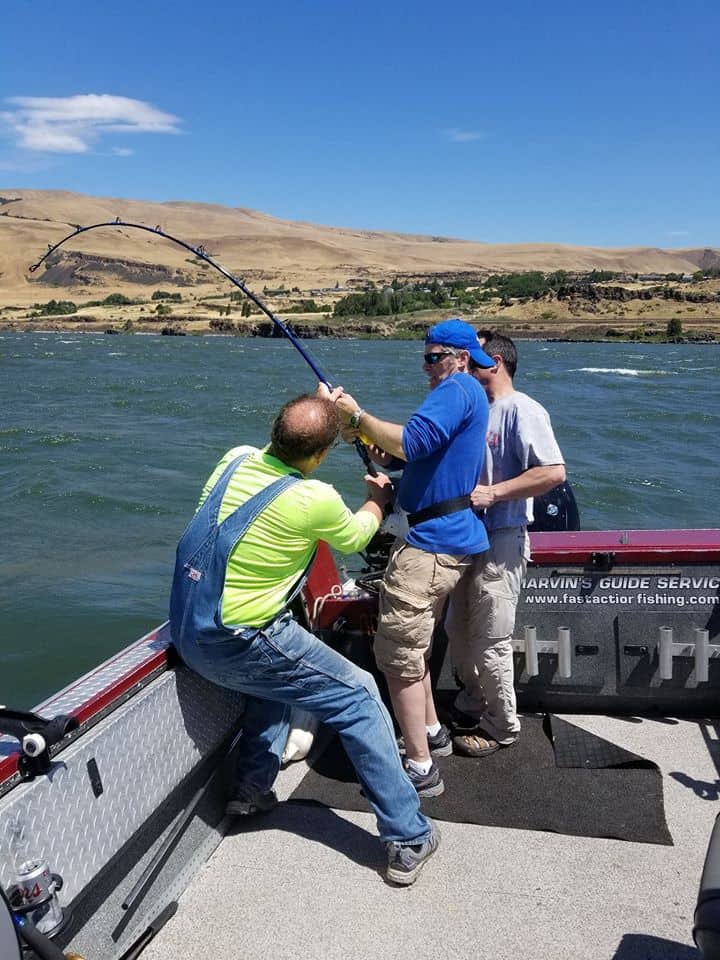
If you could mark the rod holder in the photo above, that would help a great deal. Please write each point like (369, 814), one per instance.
(531, 656)
(665, 652)
(531, 647)
(702, 655)
(699, 648)
(564, 652)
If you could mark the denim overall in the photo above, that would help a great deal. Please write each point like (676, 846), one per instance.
(281, 665)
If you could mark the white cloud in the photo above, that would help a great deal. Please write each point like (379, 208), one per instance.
(123, 151)
(678, 233)
(73, 124)
(463, 136)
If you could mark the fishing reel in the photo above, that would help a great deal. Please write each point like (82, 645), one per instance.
(375, 555)
(37, 736)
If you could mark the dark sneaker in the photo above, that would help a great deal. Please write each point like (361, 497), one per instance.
(428, 784)
(405, 863)
(440, 743)
(246, 803)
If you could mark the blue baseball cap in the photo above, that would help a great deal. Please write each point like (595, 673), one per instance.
(457, 333)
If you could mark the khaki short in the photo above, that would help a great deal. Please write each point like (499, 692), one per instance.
(412, 596)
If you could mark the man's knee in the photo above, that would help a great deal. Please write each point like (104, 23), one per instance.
(367, 680)
(402, 643)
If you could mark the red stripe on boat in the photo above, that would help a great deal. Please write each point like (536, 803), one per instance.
(629, 546)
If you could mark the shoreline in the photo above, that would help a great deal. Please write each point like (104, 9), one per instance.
(117, 328)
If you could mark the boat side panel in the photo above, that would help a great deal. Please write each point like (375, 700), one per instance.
(142, 751)
(631, 633)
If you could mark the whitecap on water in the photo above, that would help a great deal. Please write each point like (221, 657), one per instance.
(60, 439)
(625, 371)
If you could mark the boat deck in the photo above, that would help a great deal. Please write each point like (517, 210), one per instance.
(306, 881)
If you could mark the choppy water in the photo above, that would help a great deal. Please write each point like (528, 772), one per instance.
(105, 443)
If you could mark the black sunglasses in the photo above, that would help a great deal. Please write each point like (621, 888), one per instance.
(432, 358)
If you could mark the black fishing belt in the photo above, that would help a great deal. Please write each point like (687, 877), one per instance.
(440, 509)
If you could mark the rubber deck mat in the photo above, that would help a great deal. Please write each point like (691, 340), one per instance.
(595, 789)
(575, 747)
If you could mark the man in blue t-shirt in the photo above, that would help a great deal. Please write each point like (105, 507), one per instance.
(442, 446)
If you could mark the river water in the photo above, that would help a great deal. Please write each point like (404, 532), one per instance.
(105, 443)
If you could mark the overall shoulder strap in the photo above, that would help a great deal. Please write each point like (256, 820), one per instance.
(211, 505)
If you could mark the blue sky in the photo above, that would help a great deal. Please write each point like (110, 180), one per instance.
(578, 123)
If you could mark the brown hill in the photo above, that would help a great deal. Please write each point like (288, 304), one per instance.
(258, 247)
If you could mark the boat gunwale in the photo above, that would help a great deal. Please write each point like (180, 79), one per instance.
(127, 671)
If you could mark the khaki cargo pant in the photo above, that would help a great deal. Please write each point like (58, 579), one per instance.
(479, 622)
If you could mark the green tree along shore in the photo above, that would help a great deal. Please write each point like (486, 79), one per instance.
(470, 296)
(465, 294)
(460, 294)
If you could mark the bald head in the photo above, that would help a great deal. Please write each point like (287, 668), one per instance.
(304, 428)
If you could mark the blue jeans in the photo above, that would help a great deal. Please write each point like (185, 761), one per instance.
(283, 665)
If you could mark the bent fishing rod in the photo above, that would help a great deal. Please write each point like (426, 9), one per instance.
(202, 253)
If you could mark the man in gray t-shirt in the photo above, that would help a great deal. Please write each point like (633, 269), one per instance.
(523, 461)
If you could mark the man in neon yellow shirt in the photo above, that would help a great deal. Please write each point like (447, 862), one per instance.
(279, 545)
(239, 563)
